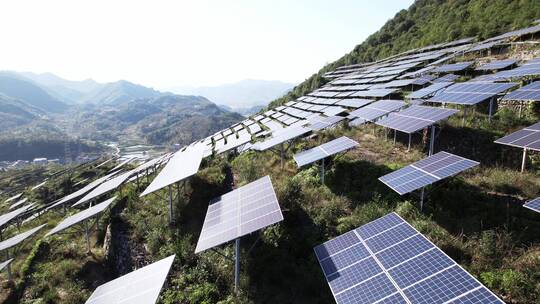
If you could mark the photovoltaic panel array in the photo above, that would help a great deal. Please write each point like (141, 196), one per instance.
(496, 65)
(14, 241)
(533, 204)
(388, 261)
(375, 110)
(282, 136)
(107, 186)
(182, 165)
(454, 67)
(528, 92)
(426, 171)
(470, 93)
(415, 118)
(18, 203)
(81, 191)
(530, 68)
(141, 286)
(430, 90)
(330, 148)
(446, 78)
(528, 138)
(81, 216)
(240, 212)
(8, 217)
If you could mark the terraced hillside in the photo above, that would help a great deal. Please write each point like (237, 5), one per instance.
(396, 109)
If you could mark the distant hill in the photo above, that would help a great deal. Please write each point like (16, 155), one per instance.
(68, 91)
(119, 92)
(242, 94)
(29, 93)
(15, 113)
(160, 120)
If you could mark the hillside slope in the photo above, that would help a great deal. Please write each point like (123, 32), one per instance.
(429, 22)
(118, 92)
(30, 93)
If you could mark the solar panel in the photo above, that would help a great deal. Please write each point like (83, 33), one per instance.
(526, 138)
(330, 148)
(430, 90)
(285, 135)
(239, 212)
(13, 198)
(496, 65)
(5, 263)
(81, 191)
(533, 204)
(6, 218)
(354, 102)
(454, 67)
(317, 123)
(233, 142)
(374, 93)
(81, 216)
(446, 78)
(141, 286)
(18, 203)
(528, 92)
(426, 171)
(125, 162)
(530, 68)
(38, 186)
(415, 118)
(105, 162)
(107, 186)
(388, 261)
(377, 109)
(14, 241)
(182, 165)
(470, 93)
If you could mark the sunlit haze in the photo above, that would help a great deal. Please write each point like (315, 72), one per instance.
(173, 43)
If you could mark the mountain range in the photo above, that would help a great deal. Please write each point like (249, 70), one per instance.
(44, 107)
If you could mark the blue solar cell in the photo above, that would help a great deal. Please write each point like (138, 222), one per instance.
(480, 295)
(396, 298)
(335, 245)
(367, 292)
(420, 267)
(430, 90)
(353, 275)
(442, 287)
(344, 258)
(533, 204)
(496, 65)
(405, 250)
(384, 223)
(390, 237)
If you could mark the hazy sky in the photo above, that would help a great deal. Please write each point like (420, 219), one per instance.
(174, 43)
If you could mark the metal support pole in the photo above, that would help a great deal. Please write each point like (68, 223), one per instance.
(524, 160)
(170, 206)
(237, 265)
(395, 132)
(422, 199)
(409, 146)
(463, 118)
(490, 109)
(8, 266)
(432, 140)
(87, 233)
(520, 106)
(282, 154)
(322, 171)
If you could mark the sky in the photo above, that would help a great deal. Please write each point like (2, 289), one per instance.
(164, 44)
